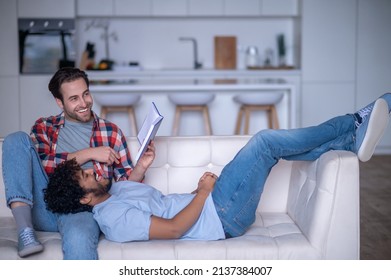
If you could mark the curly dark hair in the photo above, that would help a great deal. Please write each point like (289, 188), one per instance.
(64, 75)
(63, 192)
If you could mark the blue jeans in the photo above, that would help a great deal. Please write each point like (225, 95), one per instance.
(25, 179)
(238, 189)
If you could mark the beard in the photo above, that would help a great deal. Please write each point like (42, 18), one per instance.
(103, 186)
(103, 189)
(100, 188)
(78, 116)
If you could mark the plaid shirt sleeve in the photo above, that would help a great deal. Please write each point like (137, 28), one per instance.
(44, 135)
(125, 167)
(108, 134)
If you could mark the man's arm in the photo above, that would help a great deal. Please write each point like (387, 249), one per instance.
(42, 134)
(174, 228)
(103, 154)
(143, 164)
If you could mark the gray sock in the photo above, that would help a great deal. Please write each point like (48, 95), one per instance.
(22, 216)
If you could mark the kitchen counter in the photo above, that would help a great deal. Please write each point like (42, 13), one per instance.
(223, 109)
(137, 73)
(189, 84)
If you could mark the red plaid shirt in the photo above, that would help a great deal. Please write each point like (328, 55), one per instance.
(45, 132)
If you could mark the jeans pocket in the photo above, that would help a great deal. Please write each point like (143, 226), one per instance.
(246, 216)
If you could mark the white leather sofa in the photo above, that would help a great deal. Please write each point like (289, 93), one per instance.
(309, 210)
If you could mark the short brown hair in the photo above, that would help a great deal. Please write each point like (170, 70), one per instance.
(63, 75)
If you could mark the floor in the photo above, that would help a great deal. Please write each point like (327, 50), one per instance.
(375, 199)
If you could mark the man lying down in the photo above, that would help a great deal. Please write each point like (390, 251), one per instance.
(220, 207)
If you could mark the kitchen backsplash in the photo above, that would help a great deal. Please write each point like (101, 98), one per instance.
(155, 44)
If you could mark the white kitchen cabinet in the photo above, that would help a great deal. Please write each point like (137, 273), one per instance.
(35, 100)
(9, 69)
(132, 7)
(9, 105)
(206, 7)
(328, 59)
(329, 40)
(46, 8)
(242, 8)
(280, 7)
(95, 8)
(9, 38)
(169, 8)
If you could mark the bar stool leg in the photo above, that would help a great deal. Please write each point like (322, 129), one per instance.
(177, 116)
(105, 110)
(274, 117)
(264, 101)
(269, 116)
(132, 119)
(197, 108)
(207, 122)
(247, 111)
(239, 120)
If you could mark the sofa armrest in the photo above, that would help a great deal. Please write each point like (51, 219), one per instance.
(324, 202)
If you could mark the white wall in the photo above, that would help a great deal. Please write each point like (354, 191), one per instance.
(374, 56)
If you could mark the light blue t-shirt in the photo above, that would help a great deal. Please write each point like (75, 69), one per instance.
(126, 215)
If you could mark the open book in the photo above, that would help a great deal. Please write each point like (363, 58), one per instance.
(148, 130)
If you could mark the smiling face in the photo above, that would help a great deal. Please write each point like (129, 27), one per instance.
(77, 101)
(96, 191)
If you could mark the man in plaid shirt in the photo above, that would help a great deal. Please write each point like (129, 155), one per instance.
(75, 133)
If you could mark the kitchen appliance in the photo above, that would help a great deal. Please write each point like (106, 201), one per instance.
(225, 52)
(45, 45)
(252, 57)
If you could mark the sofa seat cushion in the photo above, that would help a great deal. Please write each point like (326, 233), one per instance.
(9, 242)
(272, 236)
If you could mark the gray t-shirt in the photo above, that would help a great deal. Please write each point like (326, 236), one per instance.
(75, 136)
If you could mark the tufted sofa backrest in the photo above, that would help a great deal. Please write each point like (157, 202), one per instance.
(180, 162)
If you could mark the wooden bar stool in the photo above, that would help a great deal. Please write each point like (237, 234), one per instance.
(250, 102)
(119, 102)
(192, 101)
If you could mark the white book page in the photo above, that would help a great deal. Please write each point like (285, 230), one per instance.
(148, 130)
(152, 117)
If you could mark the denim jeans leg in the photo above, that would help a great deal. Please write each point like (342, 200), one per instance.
(239, 187)
(80, 236)
(310, 143)
(25, 179)
(238, 190)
